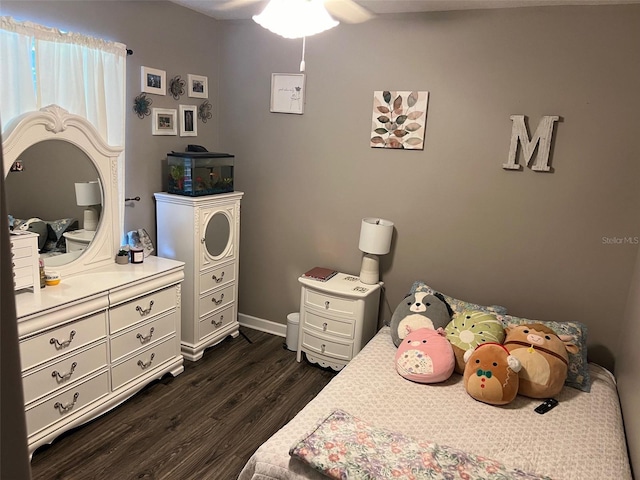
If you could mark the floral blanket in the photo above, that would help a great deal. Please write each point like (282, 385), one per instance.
(344, 447)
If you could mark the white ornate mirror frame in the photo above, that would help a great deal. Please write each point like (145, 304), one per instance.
(55, 123)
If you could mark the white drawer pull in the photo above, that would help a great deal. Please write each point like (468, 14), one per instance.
(324, 326)
(216, 279)
(217, 324)
(326, 304)
(322, 348)
(65, 408)
(144, 312)
(59, 345)
(61, 377)
(144, 339)
(218, 302)
(143, 365)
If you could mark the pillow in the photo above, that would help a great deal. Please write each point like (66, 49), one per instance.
(491, 374)
(419, 310)
(471, 328)
(425, 356)
(456, 305)
(578, 373)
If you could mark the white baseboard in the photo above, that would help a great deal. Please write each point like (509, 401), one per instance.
(263, 325)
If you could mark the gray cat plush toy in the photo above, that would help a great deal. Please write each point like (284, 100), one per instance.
(418, 310)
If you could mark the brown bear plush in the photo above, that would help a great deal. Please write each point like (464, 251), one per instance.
(543, 356)
(491, 374)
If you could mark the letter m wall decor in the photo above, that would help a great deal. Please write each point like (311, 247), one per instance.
(542, 137)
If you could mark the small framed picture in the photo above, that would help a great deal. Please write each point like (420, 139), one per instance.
(164, 121)
(287, 93)
(153, 80)
(198, 86)
(188, 121)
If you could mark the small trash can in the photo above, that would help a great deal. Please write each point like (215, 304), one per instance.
(293, 324)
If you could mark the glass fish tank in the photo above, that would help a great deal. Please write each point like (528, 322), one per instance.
(200, 173)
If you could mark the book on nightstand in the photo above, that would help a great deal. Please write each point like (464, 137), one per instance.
(319, 273)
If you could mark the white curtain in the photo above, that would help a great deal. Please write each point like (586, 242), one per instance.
(41, 66)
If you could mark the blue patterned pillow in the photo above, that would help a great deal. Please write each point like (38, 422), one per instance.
(458, 306)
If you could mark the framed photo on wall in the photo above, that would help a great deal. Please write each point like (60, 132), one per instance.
(287, 93)
(198, 86)
(153, 80)
(188, 121)
(164, 121)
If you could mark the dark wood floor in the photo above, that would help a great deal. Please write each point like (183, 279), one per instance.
(203, 424)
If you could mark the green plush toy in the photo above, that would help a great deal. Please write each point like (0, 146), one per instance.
(469, 329)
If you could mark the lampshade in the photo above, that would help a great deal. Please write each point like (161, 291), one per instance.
(88, 193)
(295, 18)
(375, 236)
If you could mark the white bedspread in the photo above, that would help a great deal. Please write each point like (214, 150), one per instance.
(582, 438)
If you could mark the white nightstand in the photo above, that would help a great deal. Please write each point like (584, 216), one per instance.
(337, 318)
(78, 239)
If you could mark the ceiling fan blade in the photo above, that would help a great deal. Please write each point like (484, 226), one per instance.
(233, 4)
(348, 11)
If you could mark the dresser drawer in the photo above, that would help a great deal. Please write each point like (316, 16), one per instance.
(217, 321)
(216, 300)
(329, 303)
(66, 403)
(142, 308)
(67, 338)
(143, 334)
(63, 372)
(337, 350)
(217, 277)
(330, 326)
(143, 362)
(22, 249)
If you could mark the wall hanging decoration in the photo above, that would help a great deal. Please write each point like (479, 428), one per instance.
(399, 119)
(141, 105)
(176, 87)
(542, 137)
(153, 80)
(198, 86)
(164, 121)
(287, 93)
(188, 121)
(204, 111)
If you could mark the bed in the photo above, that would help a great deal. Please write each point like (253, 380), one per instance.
(582, 438)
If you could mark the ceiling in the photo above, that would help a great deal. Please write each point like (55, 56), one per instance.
(244, 9)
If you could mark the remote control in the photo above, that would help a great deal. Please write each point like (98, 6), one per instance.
(547, 405)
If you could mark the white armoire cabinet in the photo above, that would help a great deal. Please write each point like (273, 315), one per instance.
(204, 233)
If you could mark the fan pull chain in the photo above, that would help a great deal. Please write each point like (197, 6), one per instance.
(304, 41)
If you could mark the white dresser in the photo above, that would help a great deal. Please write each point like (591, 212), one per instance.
(96, 339)
(337, 318)
(24, 259)
(203, 232)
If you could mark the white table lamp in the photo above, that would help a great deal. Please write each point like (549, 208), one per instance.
(88, 195)
(375, 239)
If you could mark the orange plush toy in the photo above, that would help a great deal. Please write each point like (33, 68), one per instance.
(543, 356)
(491, 374)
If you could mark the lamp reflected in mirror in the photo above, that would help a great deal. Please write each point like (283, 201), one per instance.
(88, 195)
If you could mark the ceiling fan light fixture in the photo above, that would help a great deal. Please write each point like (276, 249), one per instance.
(295, 18)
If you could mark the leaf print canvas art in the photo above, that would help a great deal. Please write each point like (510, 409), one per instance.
(399, 119)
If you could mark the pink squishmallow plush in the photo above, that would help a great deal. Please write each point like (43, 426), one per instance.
(425, 356)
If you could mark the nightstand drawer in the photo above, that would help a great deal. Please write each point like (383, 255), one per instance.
(61, 340)
(66, 403)
(217, 277)
(329, 303)
(143, 362)
(330, 326)
(217, 321)
(23, 277)
(339, 351)
(24, 250)
(64, 372)
(216, 300)
(143, 335)
(142, 308)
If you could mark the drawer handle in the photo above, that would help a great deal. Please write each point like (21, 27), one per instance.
(55, 374)
(143, 365)
(322, 347)
(218, 302)
(326, 305)
(324, 326)
(217, 324)
(144, 311)
(144, 339)
(216, 279)
(59, 345)
(65, 408)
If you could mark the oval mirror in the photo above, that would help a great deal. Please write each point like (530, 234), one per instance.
(217, 234)
(41, 197)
